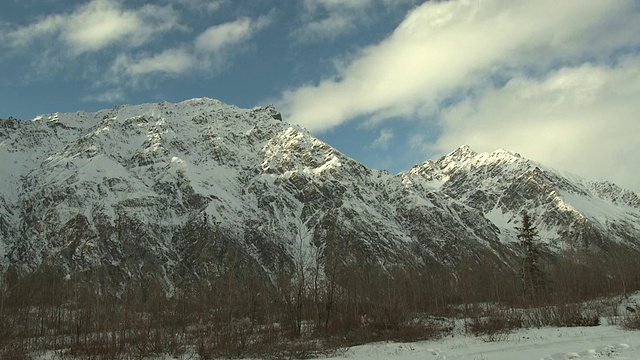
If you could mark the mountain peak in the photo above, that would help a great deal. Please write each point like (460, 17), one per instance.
(456, 158)
(200, 101)
(463, 152)
(500, 155)
(504, 152)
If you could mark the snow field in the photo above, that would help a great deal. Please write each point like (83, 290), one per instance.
(544, 344)
(608, 340)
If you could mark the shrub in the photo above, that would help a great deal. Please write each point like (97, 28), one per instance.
(493, 324)
(631, 320)
(15, 351)
(566, 315)
(575, 315)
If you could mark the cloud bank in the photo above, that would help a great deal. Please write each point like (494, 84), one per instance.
(443, 48)
(583, 119)
(555, 81)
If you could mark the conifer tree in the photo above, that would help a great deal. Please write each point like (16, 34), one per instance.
(532, 276)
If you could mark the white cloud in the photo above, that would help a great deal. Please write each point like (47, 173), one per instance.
(109, 96)
(389, 3)
(547, 79)
(22, 36)
(209, 6)
(171, 61)
(208, 53)
(384, 139)
(312, 5)
(326, 28)
(581, 119)
(443, 49)
(328, 19)
(218, 37)
(96, 25)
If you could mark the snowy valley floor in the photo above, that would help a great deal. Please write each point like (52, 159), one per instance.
(607, 340)
(604, 341)
(547, 343)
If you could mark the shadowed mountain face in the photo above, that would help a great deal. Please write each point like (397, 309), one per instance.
(180, 192)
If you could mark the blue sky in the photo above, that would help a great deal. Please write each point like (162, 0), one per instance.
(388, 82)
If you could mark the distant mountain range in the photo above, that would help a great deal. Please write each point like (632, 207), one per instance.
(173, 189)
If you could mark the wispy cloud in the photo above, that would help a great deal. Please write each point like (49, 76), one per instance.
(207, 53)
(328, 19)
(96, 25)
(171, 61)
(322, 20)
(218, 37)
(110, 96)
(337, 4)
(208, 6)
(326, 28)
(384, 139)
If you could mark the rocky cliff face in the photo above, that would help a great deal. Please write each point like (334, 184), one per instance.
(181, 191)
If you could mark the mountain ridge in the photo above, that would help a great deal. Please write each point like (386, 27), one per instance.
(174, 188)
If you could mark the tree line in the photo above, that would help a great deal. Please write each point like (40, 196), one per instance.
(326, 296)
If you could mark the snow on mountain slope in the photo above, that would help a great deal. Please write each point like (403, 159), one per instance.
(175, 189)
(502, 184)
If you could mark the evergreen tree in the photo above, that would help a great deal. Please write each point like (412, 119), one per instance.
(532, 276)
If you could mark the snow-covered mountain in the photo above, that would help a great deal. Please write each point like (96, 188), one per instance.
(180, 190)
(570, 211)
